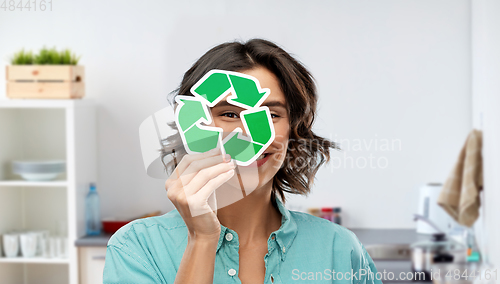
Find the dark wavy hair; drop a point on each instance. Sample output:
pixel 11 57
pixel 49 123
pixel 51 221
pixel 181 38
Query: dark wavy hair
pixel 299 89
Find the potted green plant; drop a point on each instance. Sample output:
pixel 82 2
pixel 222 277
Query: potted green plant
pixel 50 74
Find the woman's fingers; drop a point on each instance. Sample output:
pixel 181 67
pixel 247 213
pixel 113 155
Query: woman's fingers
pixel 195 179
pixel 214 183
pixel 203 166
pixel 199 202
pixel 205 175
pixel 188 159
pixel 198 165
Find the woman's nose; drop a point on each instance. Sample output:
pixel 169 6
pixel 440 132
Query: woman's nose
pixel 234 127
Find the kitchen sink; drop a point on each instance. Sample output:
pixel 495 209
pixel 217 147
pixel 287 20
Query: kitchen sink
pixel 389 251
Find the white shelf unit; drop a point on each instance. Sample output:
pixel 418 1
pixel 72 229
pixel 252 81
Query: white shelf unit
pixel 52 130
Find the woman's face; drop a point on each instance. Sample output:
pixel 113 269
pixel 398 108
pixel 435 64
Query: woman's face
pixel 227 117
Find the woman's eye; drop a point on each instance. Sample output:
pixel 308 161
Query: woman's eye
pixel 235 115
pixel 230 115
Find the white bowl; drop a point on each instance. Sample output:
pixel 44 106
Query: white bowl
pixel 39 177
pixel 42 170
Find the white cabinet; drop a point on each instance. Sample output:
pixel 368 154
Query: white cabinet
pixel 91 264
pixel 46 129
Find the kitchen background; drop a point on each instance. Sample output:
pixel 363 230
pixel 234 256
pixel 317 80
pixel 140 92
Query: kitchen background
pixel 401 84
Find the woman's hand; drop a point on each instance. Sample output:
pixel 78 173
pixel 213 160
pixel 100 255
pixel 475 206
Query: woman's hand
pixel 190 189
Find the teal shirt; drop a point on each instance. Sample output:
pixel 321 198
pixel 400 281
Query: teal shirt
pixel 305 249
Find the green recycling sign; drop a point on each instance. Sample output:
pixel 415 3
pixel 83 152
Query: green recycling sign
pixel 193 116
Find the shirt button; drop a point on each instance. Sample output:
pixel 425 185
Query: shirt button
pixel 283 249
pixel 231 272
pixel 229 237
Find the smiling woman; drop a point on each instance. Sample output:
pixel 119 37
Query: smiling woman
pixel 230 224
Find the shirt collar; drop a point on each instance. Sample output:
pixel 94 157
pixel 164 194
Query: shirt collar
pixel 284 236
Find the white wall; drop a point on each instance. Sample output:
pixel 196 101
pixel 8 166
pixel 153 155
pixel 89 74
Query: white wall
pixel 385 70
pixel 486 115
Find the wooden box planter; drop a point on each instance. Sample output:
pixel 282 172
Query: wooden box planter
pixel 45 81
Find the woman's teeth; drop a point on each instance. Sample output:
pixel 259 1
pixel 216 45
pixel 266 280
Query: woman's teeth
pixel 261 157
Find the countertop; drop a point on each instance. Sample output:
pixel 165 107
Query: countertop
pixel 93 241
pixel 388 236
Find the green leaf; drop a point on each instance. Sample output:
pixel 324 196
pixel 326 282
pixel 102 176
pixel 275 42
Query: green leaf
pixel 45 56
pixel 22 58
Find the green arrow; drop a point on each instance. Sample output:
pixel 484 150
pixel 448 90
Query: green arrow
pixel 213 87
pixel 201 140
pixel 246 91
pixel 258 126
pixel 190 113
pixel 241 150
pixel 259 129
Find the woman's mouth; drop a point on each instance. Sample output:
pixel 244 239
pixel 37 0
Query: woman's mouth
pixel 262 159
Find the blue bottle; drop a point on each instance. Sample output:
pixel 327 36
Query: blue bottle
pixel 92 212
